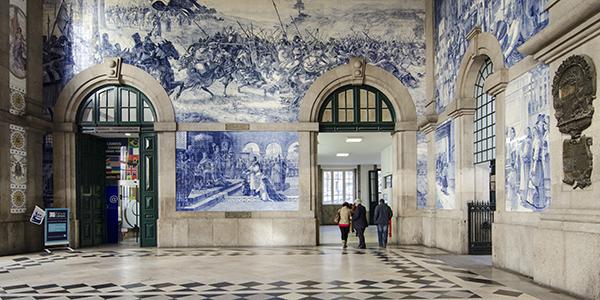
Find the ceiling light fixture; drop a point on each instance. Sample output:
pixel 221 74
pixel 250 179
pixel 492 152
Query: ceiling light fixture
pixel 342 154
pixel 353 139
pixel 127 134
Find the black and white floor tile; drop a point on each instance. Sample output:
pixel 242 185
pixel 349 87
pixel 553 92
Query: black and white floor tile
pixel 245 273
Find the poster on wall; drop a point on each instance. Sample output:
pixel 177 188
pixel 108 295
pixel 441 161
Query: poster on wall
pixel 235 61
pixel 113 160
pixel 237 171
pixel 445 166
pixel 527 165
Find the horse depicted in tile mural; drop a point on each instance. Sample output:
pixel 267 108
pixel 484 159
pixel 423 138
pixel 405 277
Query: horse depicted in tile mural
pixel 205 57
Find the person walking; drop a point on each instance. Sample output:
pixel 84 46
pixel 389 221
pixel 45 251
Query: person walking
pixel 344 218
pixel 381 218
pixel 359 222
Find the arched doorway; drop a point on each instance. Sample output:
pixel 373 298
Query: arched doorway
pixel 359 97
pixel 111 98
pixel 116 168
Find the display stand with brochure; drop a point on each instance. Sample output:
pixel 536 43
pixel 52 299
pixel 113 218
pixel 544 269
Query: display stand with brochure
pixel 56 229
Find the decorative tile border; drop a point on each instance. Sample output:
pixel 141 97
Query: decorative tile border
pixel 18 169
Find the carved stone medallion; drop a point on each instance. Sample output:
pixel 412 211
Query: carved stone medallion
pixel 577 162
pixel 573 90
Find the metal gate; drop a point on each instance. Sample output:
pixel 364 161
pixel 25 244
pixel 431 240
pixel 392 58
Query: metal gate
pixel 481 217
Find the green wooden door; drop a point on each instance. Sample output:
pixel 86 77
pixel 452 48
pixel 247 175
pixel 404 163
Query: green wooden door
pixel 90 190
pixel 148 190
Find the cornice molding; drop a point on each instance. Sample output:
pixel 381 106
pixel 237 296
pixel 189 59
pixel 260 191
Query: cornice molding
pixel 497 82
pixel 574 28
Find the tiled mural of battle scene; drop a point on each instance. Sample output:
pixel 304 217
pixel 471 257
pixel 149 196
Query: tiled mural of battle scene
pixel 237 171
pixel 512 22
pixel 235 61
pixel 527 146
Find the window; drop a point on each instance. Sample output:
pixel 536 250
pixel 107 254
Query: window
pixel 116 105
pixel 338 186
pixel 485 118
pixel 356 108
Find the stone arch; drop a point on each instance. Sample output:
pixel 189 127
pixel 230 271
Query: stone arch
pixel 482 45
pixel 358 72
pixel 404 141
pixel 112 71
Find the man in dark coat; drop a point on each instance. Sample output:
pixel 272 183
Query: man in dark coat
pixel 359 222
pixel 381 218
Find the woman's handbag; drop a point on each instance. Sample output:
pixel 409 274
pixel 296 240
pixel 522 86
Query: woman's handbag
pixel 337 217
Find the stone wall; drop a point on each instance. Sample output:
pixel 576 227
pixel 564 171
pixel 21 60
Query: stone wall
pixel 558 246
pixel 21 132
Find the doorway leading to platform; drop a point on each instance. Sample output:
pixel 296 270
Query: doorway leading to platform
pixel 354 154
pixel 352 166
pixel 116 169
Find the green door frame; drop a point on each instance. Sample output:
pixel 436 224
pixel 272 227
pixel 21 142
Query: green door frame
pixel 132 109
pixel 148 189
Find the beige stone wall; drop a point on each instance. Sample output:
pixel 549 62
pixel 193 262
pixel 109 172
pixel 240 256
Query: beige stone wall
pixel 17 234
pixel 558 247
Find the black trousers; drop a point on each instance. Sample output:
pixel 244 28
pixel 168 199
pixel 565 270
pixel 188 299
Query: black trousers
pixel 360 233
pixel 345 231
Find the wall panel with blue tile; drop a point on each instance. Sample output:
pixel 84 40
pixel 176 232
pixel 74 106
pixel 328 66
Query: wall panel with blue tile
pixel 235 61
pixel 237 171
pixel 512 22
pixel 445 166
pixel 527 166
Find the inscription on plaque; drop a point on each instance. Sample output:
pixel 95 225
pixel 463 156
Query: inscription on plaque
pixel 237 127
pixel 238 214
pixel 573 90
pixel 577 162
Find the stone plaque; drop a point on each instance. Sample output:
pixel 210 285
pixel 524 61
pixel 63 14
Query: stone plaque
pixel 573 90
pixel 577 162
pixel 238 214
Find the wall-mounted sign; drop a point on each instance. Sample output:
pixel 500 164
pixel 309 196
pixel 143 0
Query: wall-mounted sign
pixel 57 227
pixel 37 216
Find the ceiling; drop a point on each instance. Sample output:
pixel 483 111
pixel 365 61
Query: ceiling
pixel 366 152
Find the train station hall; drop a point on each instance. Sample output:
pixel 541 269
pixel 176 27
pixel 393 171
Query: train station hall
pixel 299 149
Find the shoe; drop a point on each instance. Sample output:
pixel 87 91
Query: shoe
pixel 344 245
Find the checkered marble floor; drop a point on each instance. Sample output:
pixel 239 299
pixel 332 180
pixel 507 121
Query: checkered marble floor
pixel 244 273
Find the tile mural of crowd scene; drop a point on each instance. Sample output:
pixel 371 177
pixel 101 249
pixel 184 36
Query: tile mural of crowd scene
pixel 445 166
pixel 422 184
pixel 512 22
pixel 527 166
pixel 234 61
pixel 237 171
